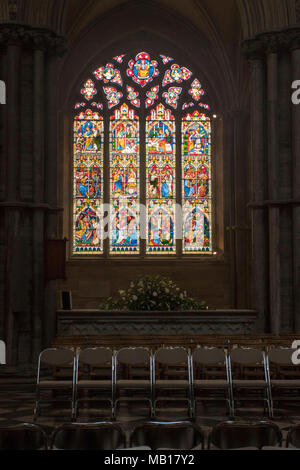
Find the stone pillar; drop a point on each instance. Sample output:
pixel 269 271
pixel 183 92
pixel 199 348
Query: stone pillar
pixel 12 214
pixel 24 204
pixel 295 57
pixel 273 184
pixel 241 228
pixel 51 228
pixel 38 196
pixel 276 200
pixel 253 50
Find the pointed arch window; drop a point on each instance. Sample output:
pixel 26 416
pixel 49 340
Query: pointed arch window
pixel 143 149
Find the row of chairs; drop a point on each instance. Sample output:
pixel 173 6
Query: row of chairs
pixel 151 435
pixel 266 341
pixel 170 373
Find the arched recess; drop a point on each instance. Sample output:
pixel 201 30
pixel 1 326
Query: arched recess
pixel 190 48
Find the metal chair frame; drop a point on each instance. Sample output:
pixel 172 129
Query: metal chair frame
pixel 112 399
pixel 268 393
pixel 88 426
pixel 189 400
pixel 274 397
pixel 150 400
pixel 27 427
pixel 188 424
pixel 244 425
pixel 38 381
pixel 229 400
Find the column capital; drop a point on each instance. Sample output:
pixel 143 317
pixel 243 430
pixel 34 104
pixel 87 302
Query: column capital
pixel 33 38
pixel 271 42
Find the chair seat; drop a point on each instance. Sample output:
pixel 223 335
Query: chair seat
pixel 172 384
pixel 55 384
pixel 94 384
pixel 123 383
pixel 249 383
pixel 286 383
pixel 211 384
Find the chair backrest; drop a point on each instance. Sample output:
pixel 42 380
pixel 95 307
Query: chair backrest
pixel 209 356
pixel 171 356
pixel 23 436
pixel 281 356
pixel 293 436
pixel 57 357
pixel 167 435
pixel 247 356
pixel 230 435
pixel 95 356
pixel 133 356
pixel 88 436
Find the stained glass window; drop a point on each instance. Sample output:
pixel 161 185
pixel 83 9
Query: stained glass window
pixel 196 183
pixel 128 113
pixel 124 184
pixel 88 183
pixel 160 175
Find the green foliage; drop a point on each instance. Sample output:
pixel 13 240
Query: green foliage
pixel 152 293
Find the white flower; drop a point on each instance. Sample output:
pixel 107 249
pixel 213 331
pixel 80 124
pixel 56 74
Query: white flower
pixel 121 292
pixel 181 295
pixel 167 291
pixel 134 297
pixel 154 294
pixel 177 289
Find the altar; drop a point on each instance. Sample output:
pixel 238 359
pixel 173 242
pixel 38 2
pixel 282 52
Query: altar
pixel 99 322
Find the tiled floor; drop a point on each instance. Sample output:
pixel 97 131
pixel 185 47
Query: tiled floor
pixel 17 403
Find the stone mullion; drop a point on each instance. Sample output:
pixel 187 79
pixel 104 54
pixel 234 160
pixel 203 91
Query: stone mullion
pixel 143 184
pixel 178 188
pixel 106 178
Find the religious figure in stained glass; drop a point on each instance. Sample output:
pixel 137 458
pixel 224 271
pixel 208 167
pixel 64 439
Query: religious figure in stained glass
pixel 88 183
pixel 160 164
pixel 142 70
pixel 196 187
pixel 124 190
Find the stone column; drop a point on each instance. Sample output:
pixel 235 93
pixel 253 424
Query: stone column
pixel 295 57
pixel 241 228
pixel 254 51
pixel 273 184
pixel 23 203
pixel 51 229
pixel 12 211
pixel 38 196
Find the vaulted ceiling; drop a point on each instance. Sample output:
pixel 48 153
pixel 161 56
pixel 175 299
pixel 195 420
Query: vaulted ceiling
pixel 228 17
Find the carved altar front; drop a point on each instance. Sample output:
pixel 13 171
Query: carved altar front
pixel 93 322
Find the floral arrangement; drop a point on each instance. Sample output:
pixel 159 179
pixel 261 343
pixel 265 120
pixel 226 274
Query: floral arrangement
pixel 152 293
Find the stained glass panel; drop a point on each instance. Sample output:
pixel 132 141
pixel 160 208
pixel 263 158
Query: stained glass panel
pixel 88 183
pixel 196 183
pixel 124 184
pixel 160 166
